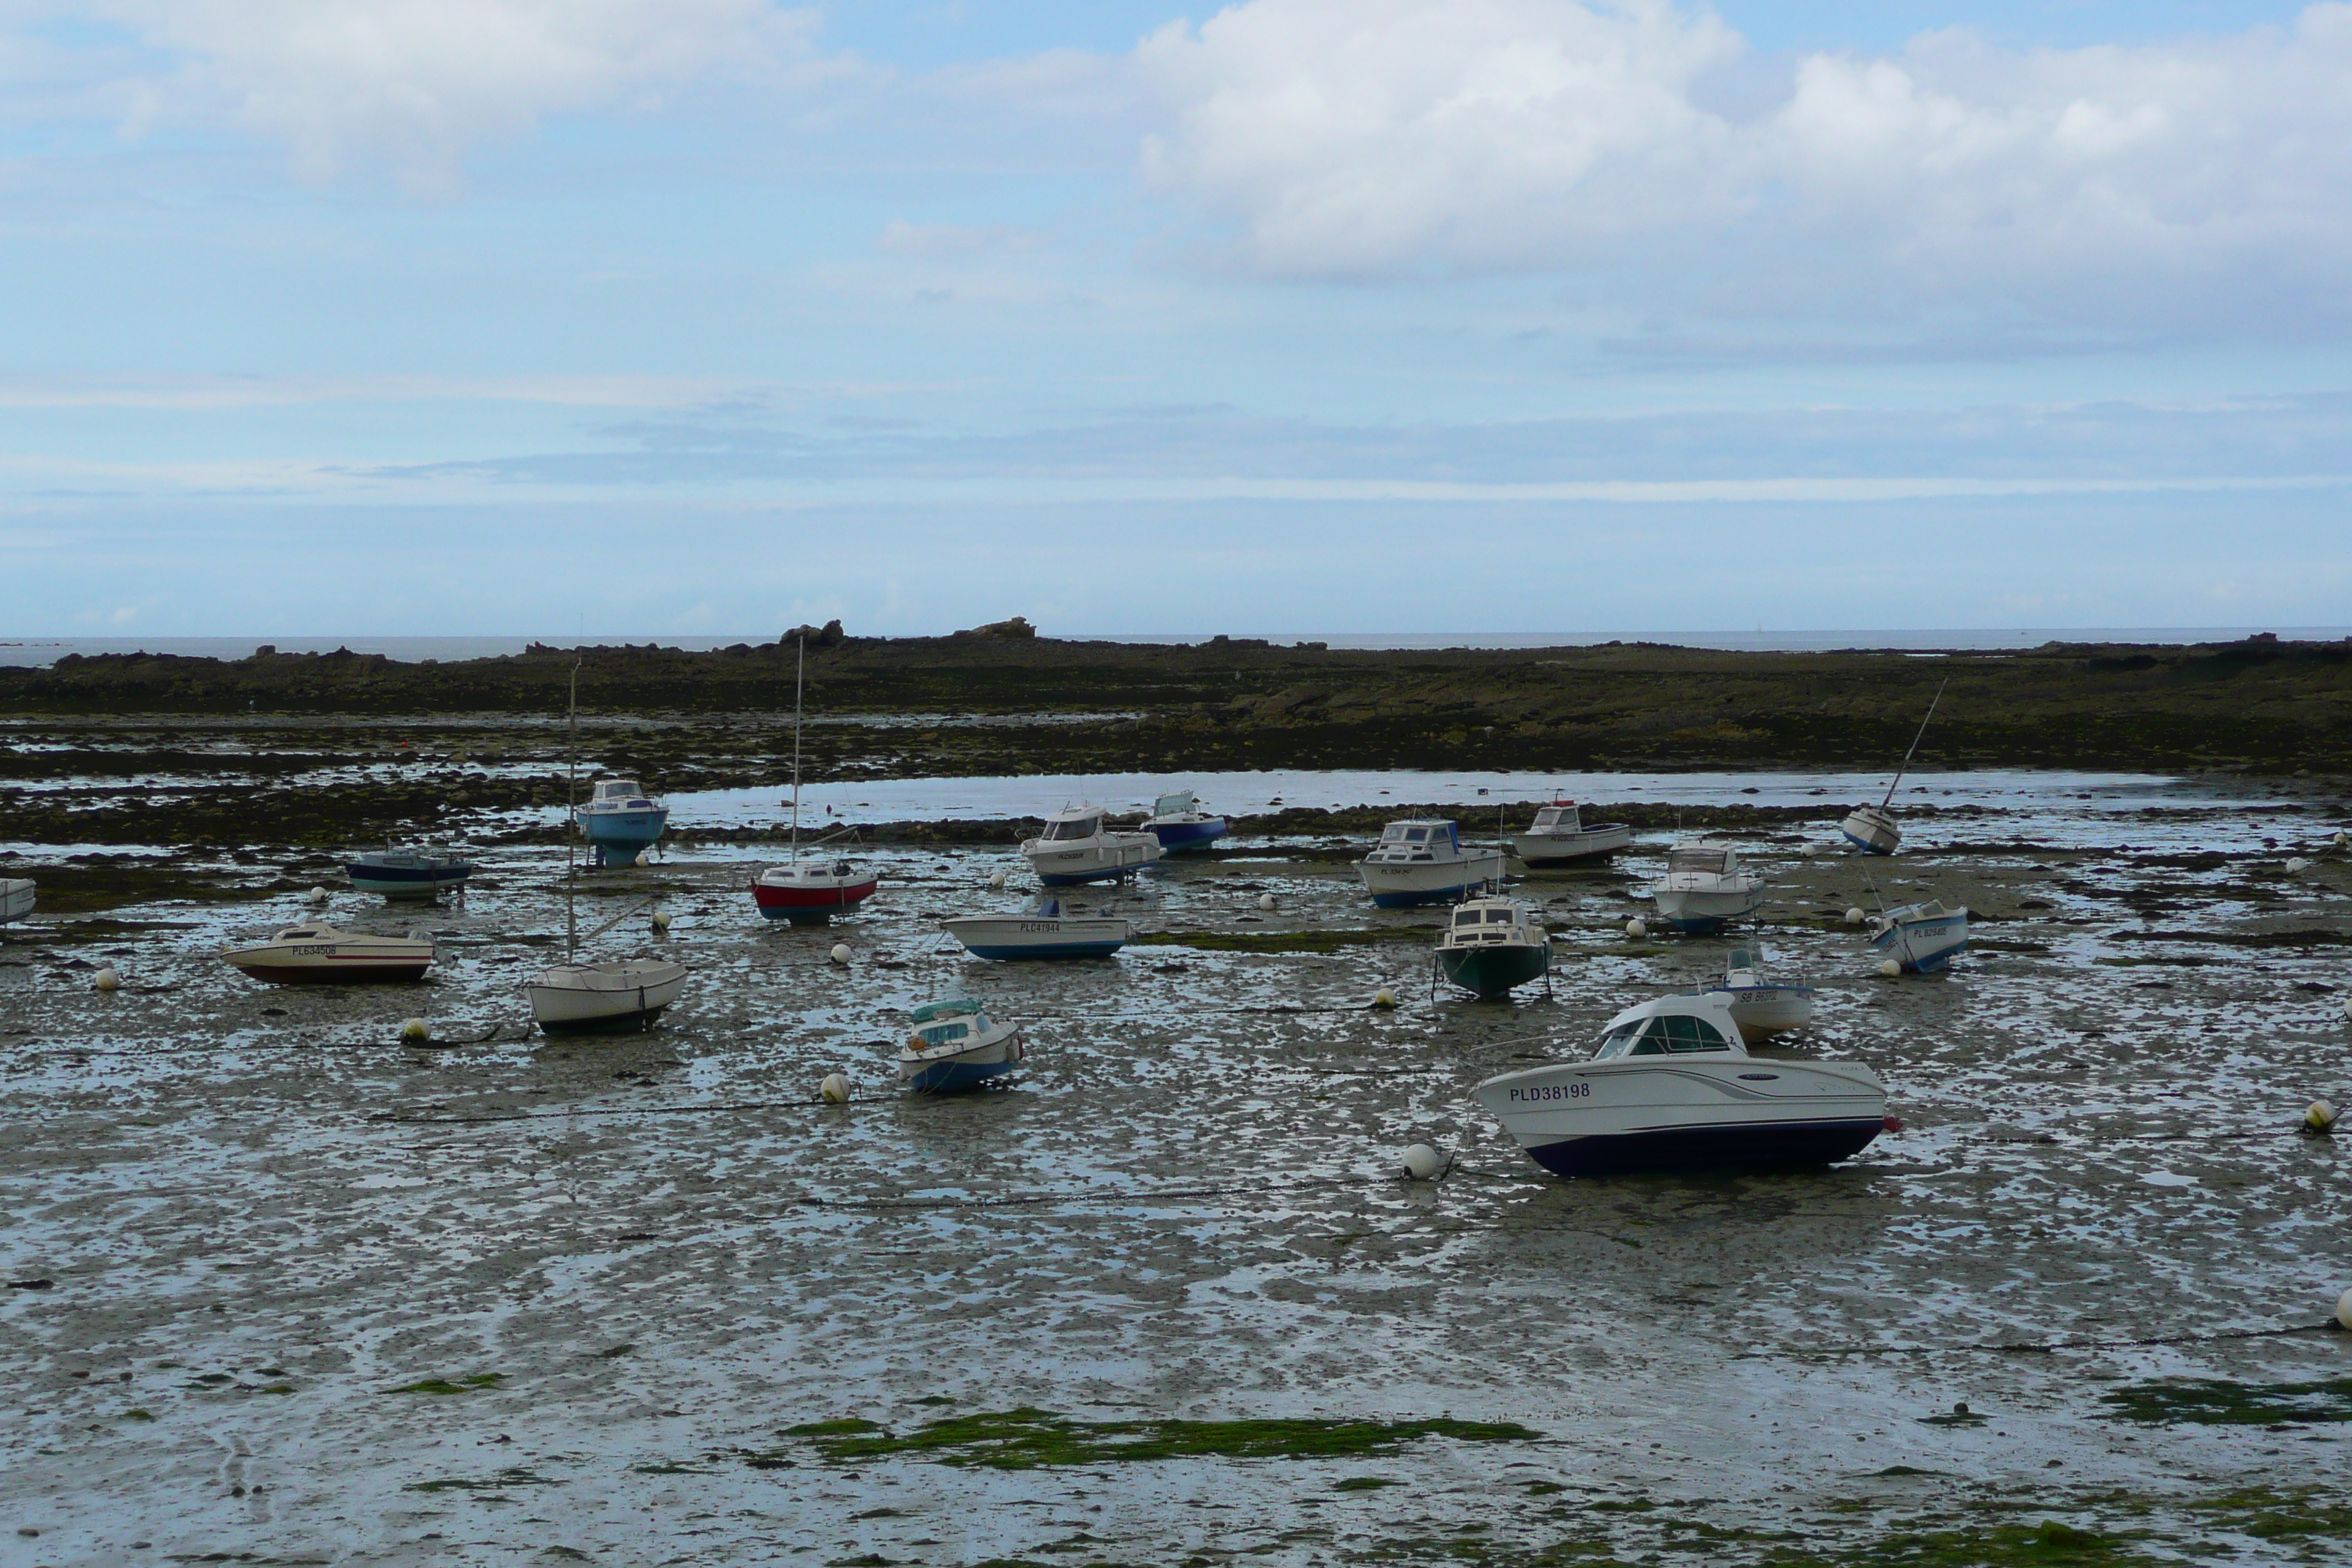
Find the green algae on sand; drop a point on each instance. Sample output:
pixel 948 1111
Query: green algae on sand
pixel 442 1385
pixel 1027 1438
pixel 2217 1401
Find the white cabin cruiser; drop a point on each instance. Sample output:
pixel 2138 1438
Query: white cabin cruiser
pixel 1761 1008
pixel 1079 846
pixel 1704 889
pixel 1672 1087
pixel 1561 838
pixel 1922 938
pixel 16 895
pixel 1424 861
pixel 316 953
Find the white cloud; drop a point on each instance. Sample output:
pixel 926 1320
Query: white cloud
pixel 413 84
pixel 1382 137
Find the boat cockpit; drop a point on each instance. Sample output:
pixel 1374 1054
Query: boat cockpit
pixel 1418 841
pixel 1560 816
pixel 1666 1034
pixel 1068 826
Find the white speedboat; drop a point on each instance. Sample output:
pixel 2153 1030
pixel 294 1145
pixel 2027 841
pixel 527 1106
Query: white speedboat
pixel 1041 930
pixel 1179 824
pixel 1079 846
pixel 319 955
pixel 1704 889
pixel 1922 938
pixel 1425 862
pixel 1672 1087
pixel 16 896
pixel 1761 1008
pixel 1872 828
pixel 954 1046
pixel 621 997
pixel 1561 838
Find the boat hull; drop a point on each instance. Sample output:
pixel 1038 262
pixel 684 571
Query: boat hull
pixel 1122 855
pixel 1492 971
pixel 1409 885
pixel 1536 849
pixel 1697 912
pixel 418 881
pixel 1015 937
pixel 805 905
pixel 619 999
pixel 1694 1112
pixel 618 837
pixel 1924 946
pixel 964 1070
pixel 16 896
pixel 1763 1011
pixel 1871 830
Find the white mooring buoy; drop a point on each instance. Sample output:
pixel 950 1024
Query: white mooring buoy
pixel 1423 1164
pixel 107 980
pixel 318 895
pixel 1266 901
pixel 2319 1117
pixel 835 1089
pixel 1890 969
pixel 2296 864
pixel 415 1031
pixel 2344 1311
pixel 840 953
pixel 1637 928
pixel 996 879
pixel 661 922
pixel 1384 998
pixel 1853 915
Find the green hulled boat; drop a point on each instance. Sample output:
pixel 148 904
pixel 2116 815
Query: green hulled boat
pixel 1490 946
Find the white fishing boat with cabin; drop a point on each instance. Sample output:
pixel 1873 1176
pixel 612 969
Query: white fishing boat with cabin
pixel 1922 938
pixel 1762 1008
pixel 1424 861
pixel 1704 889
pixel 1078 845
pixel 1561 838
pixel 1872 828
pixel 1491 945
pixel 1672 1087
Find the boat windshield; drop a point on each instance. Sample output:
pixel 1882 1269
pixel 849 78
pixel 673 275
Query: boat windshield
pixel 1467 917
pixel 1676 1033
pixel 1556 817
pixel 1175 804
pixel 1074 828
pixel 1715 862
pixel 1745 958
pixel 617 789
pixel 941 1033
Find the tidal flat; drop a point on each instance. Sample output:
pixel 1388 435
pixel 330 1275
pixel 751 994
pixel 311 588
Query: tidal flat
pixel 283 1288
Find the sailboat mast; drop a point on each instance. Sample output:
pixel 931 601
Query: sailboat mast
pixel 571 823
pixel 1914 744
pixel 799 683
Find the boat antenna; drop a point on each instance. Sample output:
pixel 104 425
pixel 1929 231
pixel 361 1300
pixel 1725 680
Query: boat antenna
pixel 800 682
pixel 1914 744
pixel 571 823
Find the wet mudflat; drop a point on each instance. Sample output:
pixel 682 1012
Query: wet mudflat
pixel 289 1290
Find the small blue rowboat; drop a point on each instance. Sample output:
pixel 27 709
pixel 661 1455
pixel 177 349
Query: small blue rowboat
pixel 1179 823
pixel 954 1046
pixel 1923 938
pixel 620 821
pixel 408 873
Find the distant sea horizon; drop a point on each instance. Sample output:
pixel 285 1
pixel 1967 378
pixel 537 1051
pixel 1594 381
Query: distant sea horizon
pixel 41 651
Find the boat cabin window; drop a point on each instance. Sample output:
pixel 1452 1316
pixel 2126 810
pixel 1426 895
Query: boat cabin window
pixel 1075 828
pixel 941 1033
pixel 617 789
pixel 1717 861
pixel 1674 1034
pixel 1467 918
pixel 1499 917
pixel 1393 834
pixel 1745 958
pixel 1416 835
pixel 1547 817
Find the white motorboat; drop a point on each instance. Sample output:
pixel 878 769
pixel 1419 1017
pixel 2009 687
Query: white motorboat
pixel 16 895
pixel 1561 838
pixel 955 1046
pixel 1424 861
pixel 1179 824
pixel 1491 945
pixel 317 954
pixel 1079 846
pixel 1041 930
pixel 809 892
pixel 1922 938
pixel 1762 1008
pixel 1704 889
pixel 1672 1086
pixel 1872 828
pixel 622 997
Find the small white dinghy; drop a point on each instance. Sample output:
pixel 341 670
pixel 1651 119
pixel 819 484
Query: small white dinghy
pixel 1704 889
pixel 617 998
pixel 1762 1008
pixel 1079 846
pixel 16 896
pixel 955 1046
pixel 317 954
pixel 1922 938
pixel 1672 1087
pixel 1561 838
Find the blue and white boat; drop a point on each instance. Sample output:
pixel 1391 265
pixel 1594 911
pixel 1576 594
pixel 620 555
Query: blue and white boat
pixel 954 1046
pixel 1179 823
pixel 621 822
pixel 1079 846
pixel 1041 930
pixel 1425 862
pixel 1922 938
pixel 409 873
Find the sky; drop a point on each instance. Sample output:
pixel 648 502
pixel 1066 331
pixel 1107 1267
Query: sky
pixel 418 316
